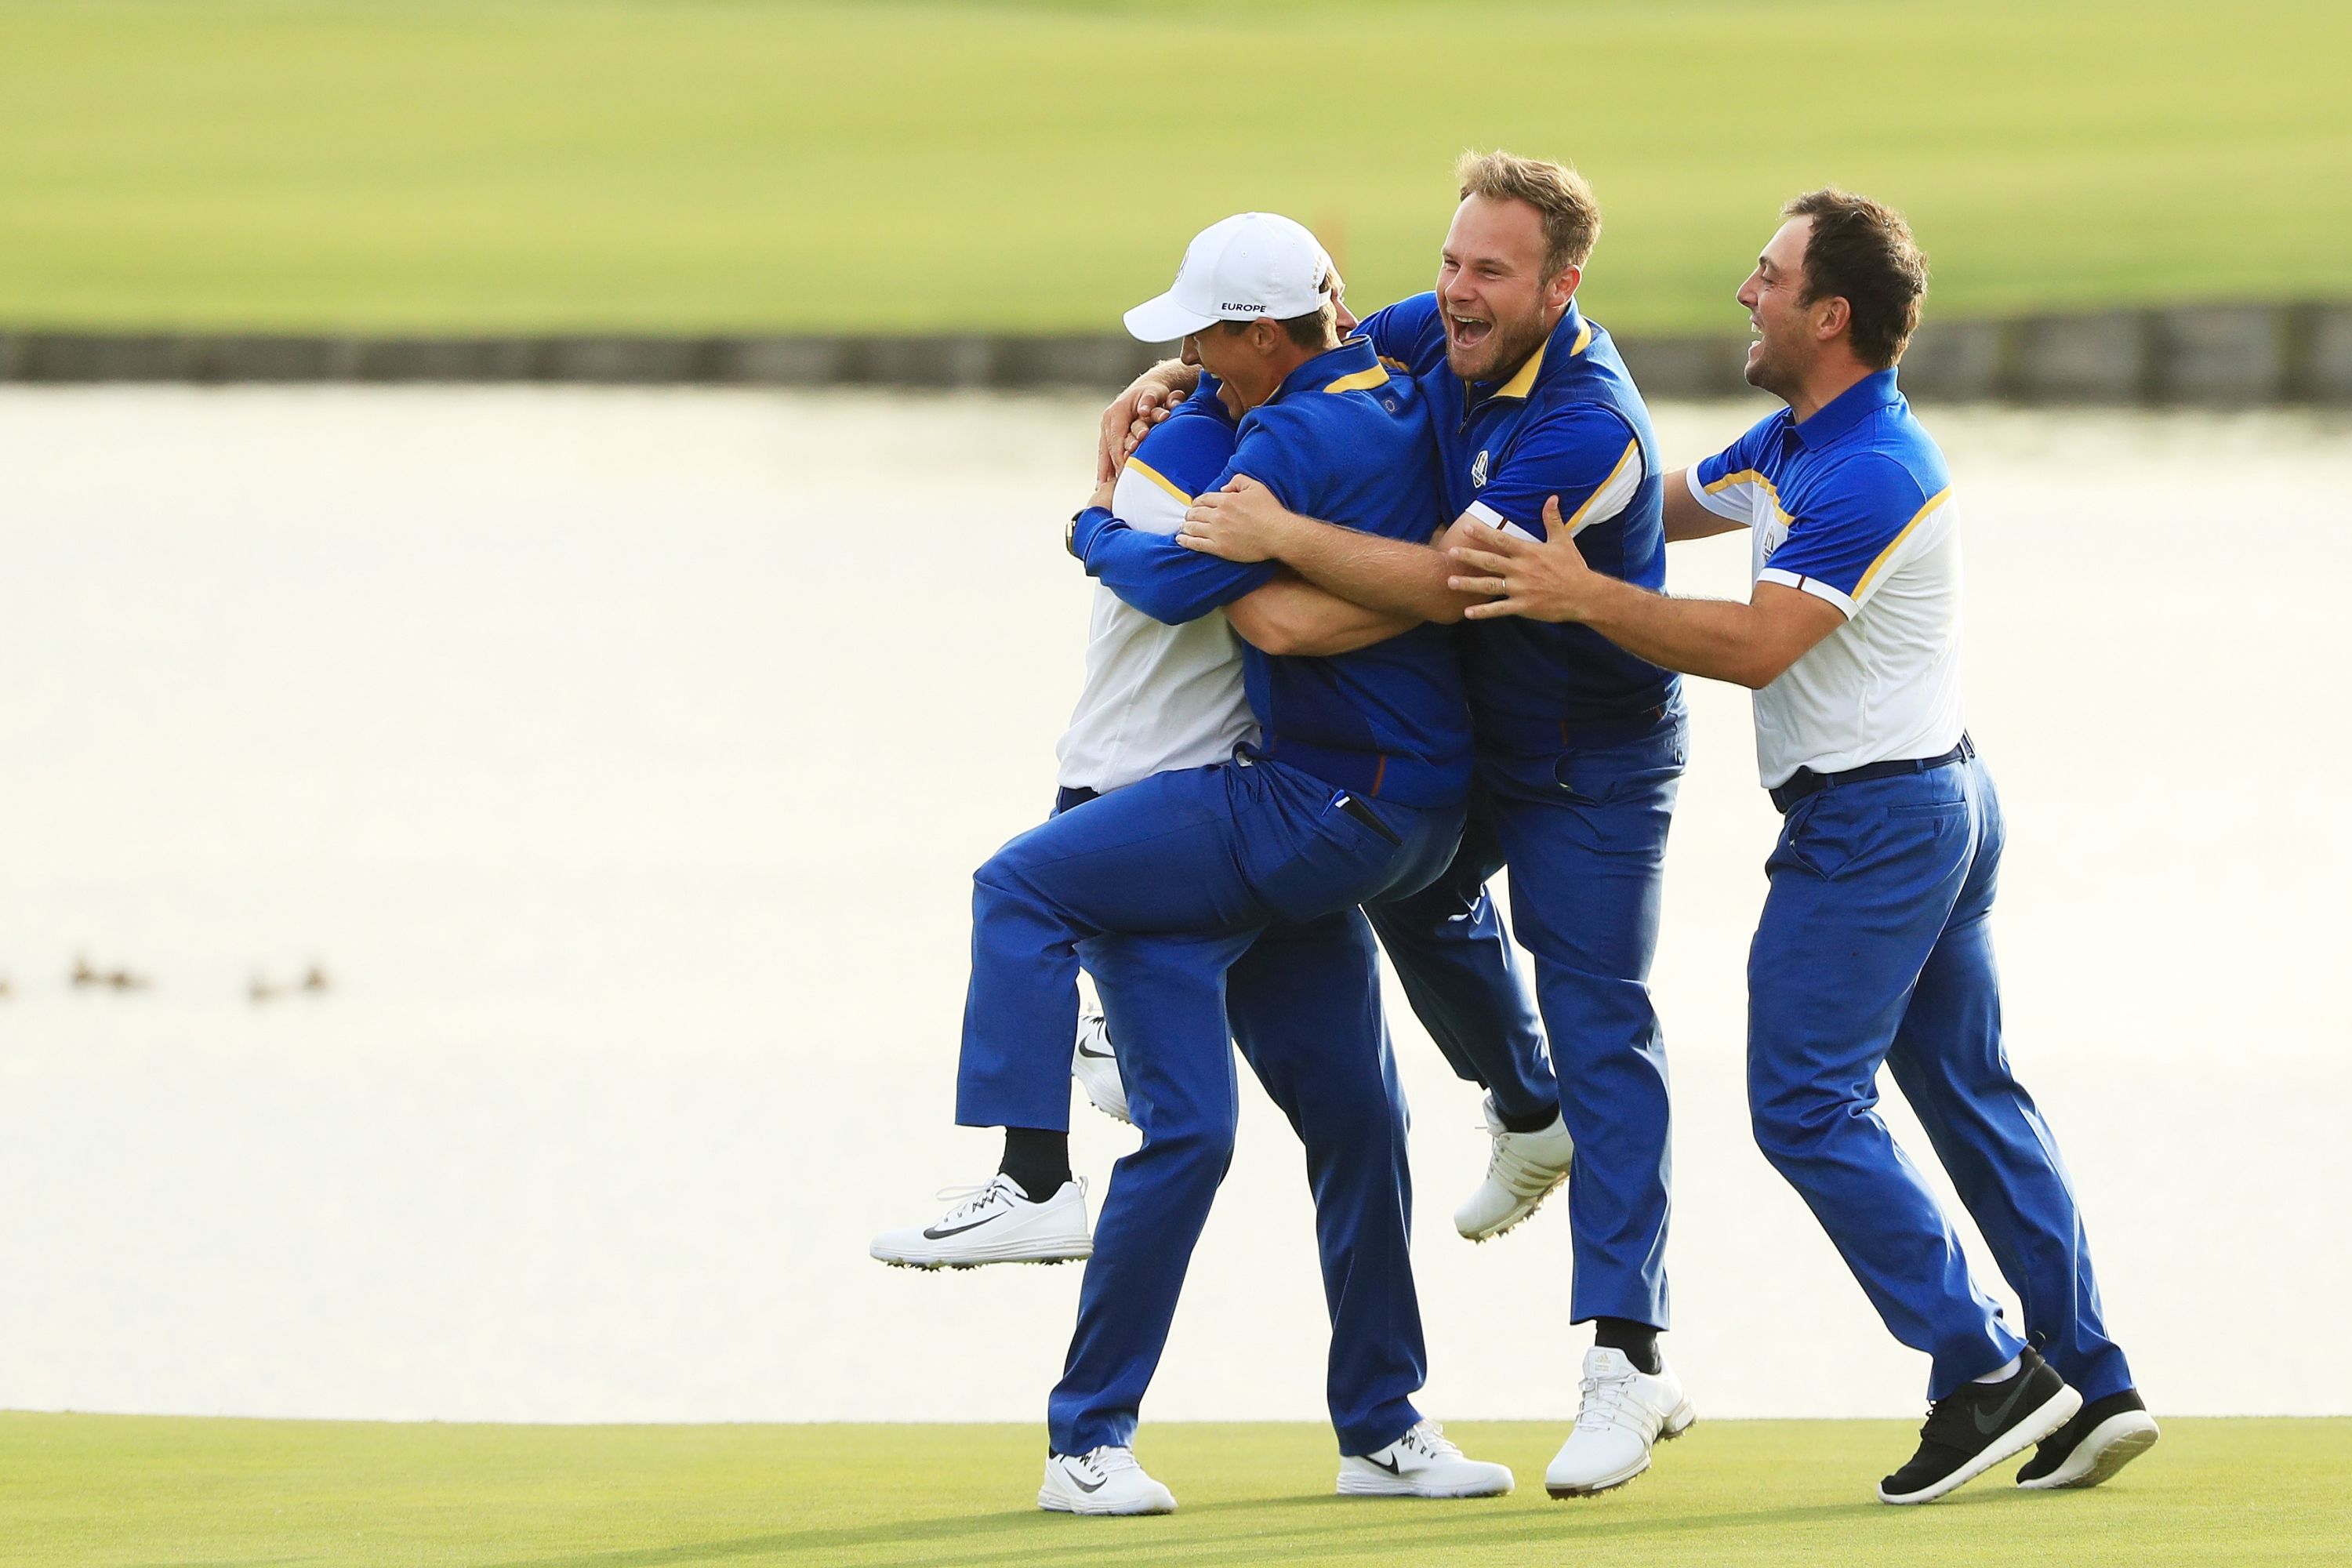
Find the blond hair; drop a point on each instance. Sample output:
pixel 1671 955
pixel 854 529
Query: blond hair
pixel 1571 218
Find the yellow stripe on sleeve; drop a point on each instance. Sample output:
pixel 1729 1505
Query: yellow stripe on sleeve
pixel 1752 477
pixel 1938 498
pixel 1137 465
pixel 1632 450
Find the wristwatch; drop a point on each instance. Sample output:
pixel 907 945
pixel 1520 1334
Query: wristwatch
pixel 1070 533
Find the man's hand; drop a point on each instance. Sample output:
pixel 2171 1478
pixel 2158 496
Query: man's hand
pixel 1242 521
pixel 1105 488
pixel 1149 399
pixel 1546 582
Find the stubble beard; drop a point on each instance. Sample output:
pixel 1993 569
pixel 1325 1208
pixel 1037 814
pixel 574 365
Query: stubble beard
pixel 1504 353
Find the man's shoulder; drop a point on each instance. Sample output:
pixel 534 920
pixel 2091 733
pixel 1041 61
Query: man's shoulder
pixel 1389 409
pixel 1572 434
pixel 1189 448
pixel 1408 335
pixel 1882 481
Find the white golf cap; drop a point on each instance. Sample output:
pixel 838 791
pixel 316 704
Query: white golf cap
pixel 1251 266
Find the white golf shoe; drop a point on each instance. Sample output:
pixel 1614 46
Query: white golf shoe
pixel 1524 1169
pixel 1424 1462
pixel 994 1223
pixel 1625 1411
pixel 1096 1067
pixel 1106 1480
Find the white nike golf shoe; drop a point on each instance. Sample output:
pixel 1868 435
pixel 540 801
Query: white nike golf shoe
pixel 1524 1169
pixel 1424 1462
pixel 1096 1067
pixel 1106 1480
pixel 994 1223
pixel 1625 1411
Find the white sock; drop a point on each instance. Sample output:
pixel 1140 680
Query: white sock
pixel 2002 1372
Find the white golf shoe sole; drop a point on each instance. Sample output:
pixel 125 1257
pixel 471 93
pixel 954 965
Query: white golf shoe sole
pixel 1355 1483
pixel 980 1257
pixel 2053 1413
pixel 2109 1447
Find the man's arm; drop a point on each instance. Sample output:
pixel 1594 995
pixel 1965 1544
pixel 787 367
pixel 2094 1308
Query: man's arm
pixel 1687 517
pixel 1154 573
pixel 1396 577
pixel 1296 618
pixel 1750 644
pixel 1133 412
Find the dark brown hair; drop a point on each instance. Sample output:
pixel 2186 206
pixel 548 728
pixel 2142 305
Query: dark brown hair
pixel 1863 253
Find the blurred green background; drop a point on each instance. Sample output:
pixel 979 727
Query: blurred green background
pixel 530 165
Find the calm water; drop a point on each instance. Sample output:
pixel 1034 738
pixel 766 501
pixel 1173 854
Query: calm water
pixel 625 757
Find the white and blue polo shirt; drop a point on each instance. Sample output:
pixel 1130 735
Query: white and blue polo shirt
pixel 1159 696
pixel 1852 506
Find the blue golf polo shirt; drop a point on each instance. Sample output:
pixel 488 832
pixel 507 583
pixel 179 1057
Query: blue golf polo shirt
pixel 1344 440
pixel 1569 422
pixel 1852 506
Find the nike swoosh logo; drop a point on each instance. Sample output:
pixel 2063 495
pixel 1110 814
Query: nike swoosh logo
pixel 943 1234
pixel 1388 1464
pixel 1097 1056
pixel 1079 1481
pixel 1990 1423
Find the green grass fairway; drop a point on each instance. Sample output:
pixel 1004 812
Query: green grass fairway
pixel 102 1490
pixel 531 165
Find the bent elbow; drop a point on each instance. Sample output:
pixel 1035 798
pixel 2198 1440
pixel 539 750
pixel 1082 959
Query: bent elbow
pixel 1266 631
pixel 1762 669
pixel 1277 640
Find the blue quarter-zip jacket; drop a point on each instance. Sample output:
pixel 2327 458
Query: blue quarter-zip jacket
pixel 1344 440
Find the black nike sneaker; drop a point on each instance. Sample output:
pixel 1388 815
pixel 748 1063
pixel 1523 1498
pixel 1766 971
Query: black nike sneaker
pixel 1979 1425
pixel 2104 1436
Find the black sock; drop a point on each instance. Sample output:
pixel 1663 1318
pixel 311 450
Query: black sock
pixel 1037 1161
pixel 1638 1341
pixel 1527 1122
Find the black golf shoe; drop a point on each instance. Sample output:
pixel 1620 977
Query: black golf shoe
pixel 1979 1425
pixel 2103 1438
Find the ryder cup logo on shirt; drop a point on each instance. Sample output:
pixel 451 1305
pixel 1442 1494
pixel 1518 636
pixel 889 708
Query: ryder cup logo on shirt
pixel 1478 470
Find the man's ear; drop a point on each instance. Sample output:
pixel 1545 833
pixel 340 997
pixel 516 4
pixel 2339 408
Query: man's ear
pixel 1831 316
pixel 1562 287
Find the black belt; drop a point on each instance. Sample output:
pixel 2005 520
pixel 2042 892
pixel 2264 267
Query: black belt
pixel 1805 782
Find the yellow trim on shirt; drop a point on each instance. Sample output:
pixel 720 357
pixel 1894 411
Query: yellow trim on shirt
pixel 1156 476
pixel 1524 381
pixel 1358 380
pixel 1753 476
pixel 1632 450
pixel 1522 384
pixel 1938 498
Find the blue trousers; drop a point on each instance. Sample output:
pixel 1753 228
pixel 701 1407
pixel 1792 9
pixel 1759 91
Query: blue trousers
pixel 1584 832
pixel 1874 947
pixel 1452 956
pixel 1303 1003
pixel 1227 850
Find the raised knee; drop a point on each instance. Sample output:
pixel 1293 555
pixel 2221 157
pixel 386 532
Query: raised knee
pixel 1200 1152
pixel 1788 1125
